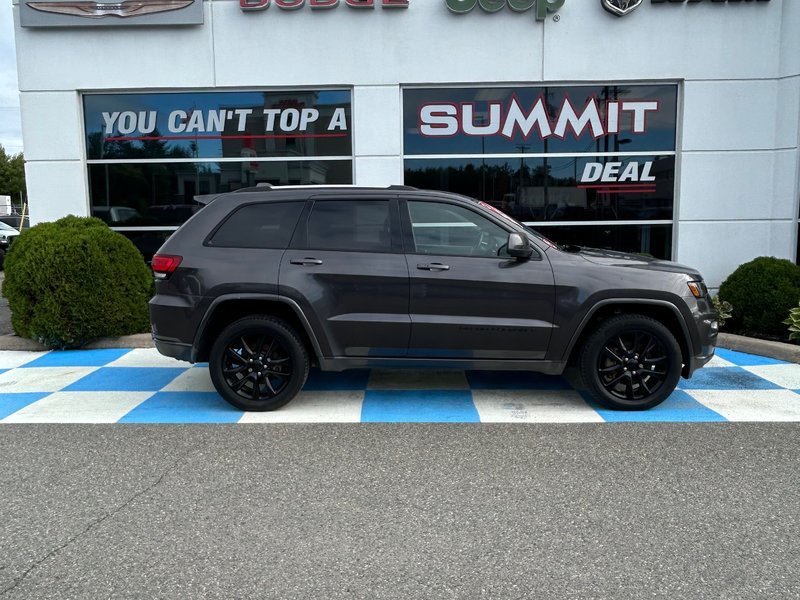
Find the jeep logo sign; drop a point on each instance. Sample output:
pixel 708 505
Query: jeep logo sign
pixel 543 7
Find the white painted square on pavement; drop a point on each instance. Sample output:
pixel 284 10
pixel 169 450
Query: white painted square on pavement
pixel 787 376
pixel 751 405
pixel 11 359
pixel 314 407
pixel 533 406
pixel 41 379
pixel 417 379
pixel 191 380
pixel 147 357
pixel 79 407
pixel 718 361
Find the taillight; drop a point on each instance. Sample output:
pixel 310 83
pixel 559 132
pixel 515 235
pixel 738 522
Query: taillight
pixel 164 264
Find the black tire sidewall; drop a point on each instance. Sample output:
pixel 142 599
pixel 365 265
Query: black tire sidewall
pixel 613 327
pixel 285 335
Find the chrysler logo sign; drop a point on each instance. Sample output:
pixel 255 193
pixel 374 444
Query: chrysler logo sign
pixel 98 10
pixel 620 8
pixel 110 13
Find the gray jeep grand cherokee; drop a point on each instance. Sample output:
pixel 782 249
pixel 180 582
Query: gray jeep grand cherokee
pixel 264 282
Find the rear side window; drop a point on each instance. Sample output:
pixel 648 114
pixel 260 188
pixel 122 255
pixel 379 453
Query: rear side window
pixel 263 225
pixel 358 225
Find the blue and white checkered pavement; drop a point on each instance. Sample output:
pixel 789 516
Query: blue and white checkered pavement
pixel 141 386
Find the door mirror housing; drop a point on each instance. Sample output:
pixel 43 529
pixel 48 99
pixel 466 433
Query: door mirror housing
pixel 519 246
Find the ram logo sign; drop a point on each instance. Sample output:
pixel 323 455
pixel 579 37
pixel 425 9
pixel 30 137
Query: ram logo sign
pixel 621 8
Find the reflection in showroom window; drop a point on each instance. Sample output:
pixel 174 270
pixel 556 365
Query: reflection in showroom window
pixel 150 154
pixel 572 161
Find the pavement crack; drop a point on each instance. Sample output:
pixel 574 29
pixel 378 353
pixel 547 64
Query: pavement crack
pixel 90 527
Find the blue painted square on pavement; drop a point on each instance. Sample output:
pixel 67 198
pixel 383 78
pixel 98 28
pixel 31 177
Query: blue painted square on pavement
pixel 746 360
pixel 11 403
pixel 319 381
pixel 680 407
pixel 125 379
pixel 515 380
pixel 418 406
pixel 78 358
pixel 183 407
pixel 725 378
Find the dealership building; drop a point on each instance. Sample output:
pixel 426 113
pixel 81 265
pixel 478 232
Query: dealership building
pixel 663 127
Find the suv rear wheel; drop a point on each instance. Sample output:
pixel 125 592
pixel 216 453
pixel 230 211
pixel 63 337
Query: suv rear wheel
pixel 631 362
pixel 258 363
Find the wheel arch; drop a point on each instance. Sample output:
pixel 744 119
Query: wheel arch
pixel 665 312
pixel 227 309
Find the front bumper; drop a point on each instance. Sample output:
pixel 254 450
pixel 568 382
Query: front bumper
pixel 708 331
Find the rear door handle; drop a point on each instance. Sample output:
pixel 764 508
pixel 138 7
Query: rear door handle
pixel 434 267
pixel 305 261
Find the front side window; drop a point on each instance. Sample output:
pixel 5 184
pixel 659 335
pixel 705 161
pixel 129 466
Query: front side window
pixel 448 229
pixel 350 225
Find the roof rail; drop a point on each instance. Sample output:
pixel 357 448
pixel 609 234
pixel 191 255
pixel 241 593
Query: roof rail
pixel 401 187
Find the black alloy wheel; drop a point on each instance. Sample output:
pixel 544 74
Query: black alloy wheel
pixel 631 362
pixel 258 364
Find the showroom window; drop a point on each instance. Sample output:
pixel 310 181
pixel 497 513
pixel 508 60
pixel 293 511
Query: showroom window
pixel 586 165
pixel 149 155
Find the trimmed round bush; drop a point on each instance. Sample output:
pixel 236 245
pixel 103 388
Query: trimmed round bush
pixel 75 280
pixel 762 292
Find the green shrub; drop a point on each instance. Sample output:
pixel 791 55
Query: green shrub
pixel 793 321
pixel 724 310
pixel 75 280
pixel 763 291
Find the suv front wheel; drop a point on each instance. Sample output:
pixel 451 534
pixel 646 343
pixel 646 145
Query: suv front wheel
pixel 631 362
pixel 258 363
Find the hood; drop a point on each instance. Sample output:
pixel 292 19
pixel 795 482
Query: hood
pixel 635 261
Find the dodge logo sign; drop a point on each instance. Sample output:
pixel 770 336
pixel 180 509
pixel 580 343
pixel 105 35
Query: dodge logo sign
pixel 620 8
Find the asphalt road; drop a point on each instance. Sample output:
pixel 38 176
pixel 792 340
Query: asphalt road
pixel 400 511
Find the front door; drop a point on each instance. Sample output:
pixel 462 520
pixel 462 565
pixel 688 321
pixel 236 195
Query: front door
pixel 469 299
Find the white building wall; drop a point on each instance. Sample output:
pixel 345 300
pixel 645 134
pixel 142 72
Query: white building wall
pixel 739 66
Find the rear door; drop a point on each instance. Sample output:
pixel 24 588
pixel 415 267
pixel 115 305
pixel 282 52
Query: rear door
pixel 469 299
pixel 346 268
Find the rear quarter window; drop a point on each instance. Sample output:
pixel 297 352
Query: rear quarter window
pixel 262 225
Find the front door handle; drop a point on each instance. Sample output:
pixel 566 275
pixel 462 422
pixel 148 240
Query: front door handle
pixel 434 267
pixel 305 261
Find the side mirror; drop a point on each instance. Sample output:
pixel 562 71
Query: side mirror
pixel 518 246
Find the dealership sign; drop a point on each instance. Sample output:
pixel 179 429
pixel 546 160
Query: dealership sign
pixel 219 124
pixel 248 5
pixel 620 8
pixel 543 7
pixel 83 13
pixel 512 118
pixel 131 125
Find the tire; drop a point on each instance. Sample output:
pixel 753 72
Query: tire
pixel 258 363
pixel 631 362
pixel 2 259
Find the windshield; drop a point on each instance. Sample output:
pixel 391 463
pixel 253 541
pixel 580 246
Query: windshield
pixel 496 211
pixel 7 227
